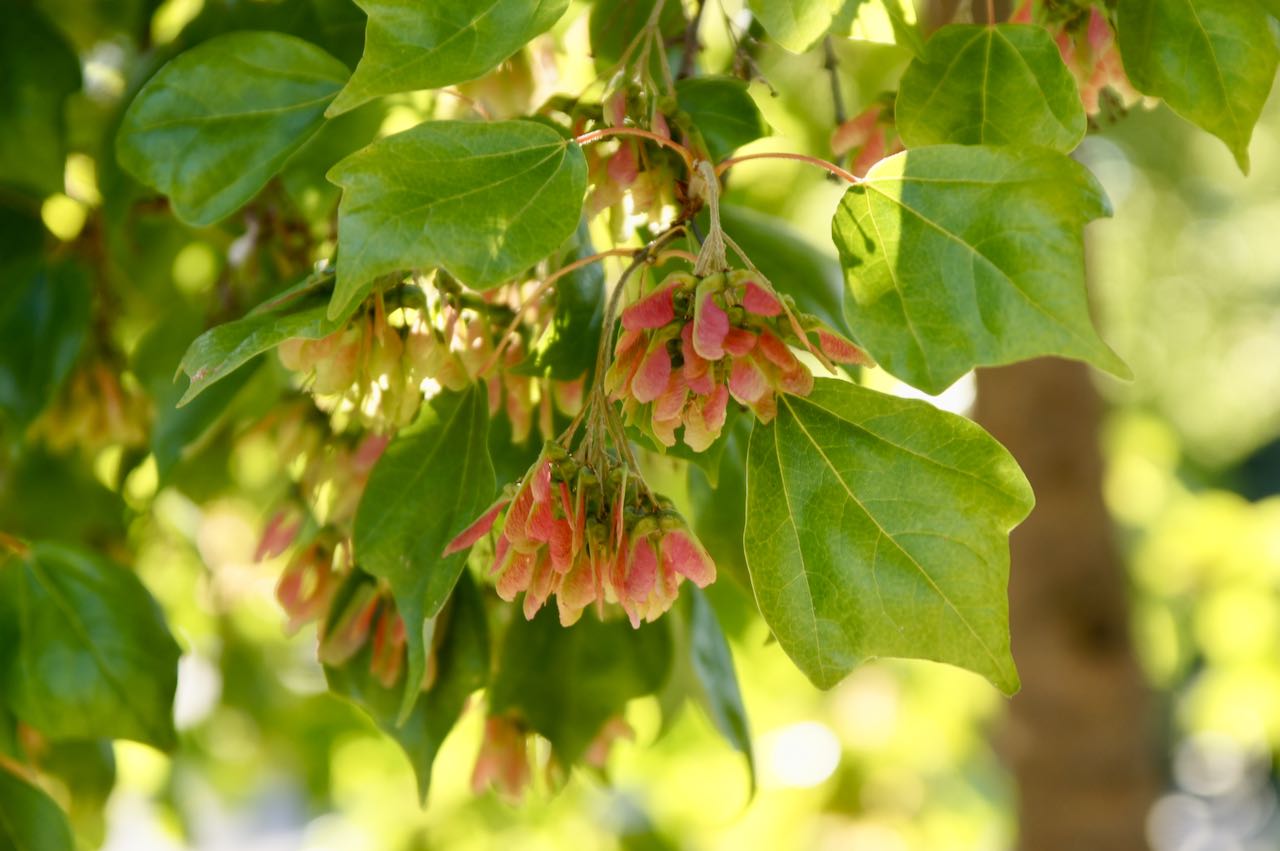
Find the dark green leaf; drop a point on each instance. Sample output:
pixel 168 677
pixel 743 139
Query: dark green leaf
pixel 216 123
pixel 566 349
pixel 616 24
pixel 336 26
pixel 88 768
pixel 29 819
pixel 430 483
pixel 38 71
pixel 981 85
pixel 795 24
pixel 484 200
pixel 797 266
pixel 36 489
pixel 722 111
pixel 94 657
pixel 44 317
pixel 567 682
pixel 878 526
pixel 961 256
pixel 462 659
pixel 1213 61
pixel 719 694
pixel 411 45
pixel 719 503
pixel 302 311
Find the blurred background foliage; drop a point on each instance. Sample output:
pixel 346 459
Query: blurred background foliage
pixel 1186 278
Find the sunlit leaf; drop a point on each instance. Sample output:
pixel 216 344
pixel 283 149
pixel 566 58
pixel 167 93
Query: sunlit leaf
pixel 982 85
pixel 878 526
pixel 216 123
pixel 960 256
pixel 414 45
pixel 95 658
pixel 795 24
pixel 432 481
pixel 484 200
pixel 1213 61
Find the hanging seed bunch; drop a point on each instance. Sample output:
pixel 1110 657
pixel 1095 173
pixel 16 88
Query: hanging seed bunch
pixel 587 535
pixel 692 343
pixel 378 371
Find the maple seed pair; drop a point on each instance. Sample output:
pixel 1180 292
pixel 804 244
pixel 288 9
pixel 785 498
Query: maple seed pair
pixel 690 344
pixel 566 532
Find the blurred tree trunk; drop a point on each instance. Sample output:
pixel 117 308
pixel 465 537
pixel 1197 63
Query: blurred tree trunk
pixel 1079 735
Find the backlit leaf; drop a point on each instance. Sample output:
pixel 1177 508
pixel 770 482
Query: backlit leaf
pixel 961 256
pixel 795 24
pixel 878 526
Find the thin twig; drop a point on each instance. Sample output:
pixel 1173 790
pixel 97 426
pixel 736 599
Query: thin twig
pixel 691 43
pixel 849 176
pixel 605 132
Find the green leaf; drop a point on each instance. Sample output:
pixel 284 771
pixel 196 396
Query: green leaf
pixel 566 348
pixel 877 526
pixel 484 200
pixel 1212 61
pixel 567 682
pixel 44 319
pixel 795 24
pixel 719 504
pixel 906 33
pixel 432 481
pixel 719 694
pixel 218 121
pixel 797 266
pixel 411 45
pixel 462 660
pixel 88 769
pixel 722 111
pixel 95 658
pixel 38 71
pixel 301 311
pixel 38 487
pixel 981 85
pixel 616 24
pixel 961 256
pixel 29 819
pixel 336 26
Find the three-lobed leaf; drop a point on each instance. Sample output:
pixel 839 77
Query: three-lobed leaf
pixel 411 45
pixel 983 85
pixel 960 256
pixel 219 120
pixel 462 666
pixel 432 481
pixel 878 526
pixel 1212 61
pixel 94 657
pixel 483 200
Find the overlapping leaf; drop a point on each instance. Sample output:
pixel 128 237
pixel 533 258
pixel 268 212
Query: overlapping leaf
pixel 484 200
pixel 718 691
pixel 414 45
pixel 722 113
pixel 567 682
pixel 981 85
pixel 960 256
pixel 1213 61
pixel 29 819
pixel 877 526
pixel 94 658
pixel 216 123
pixel 462 666
pixel 795 24
pixel 429 484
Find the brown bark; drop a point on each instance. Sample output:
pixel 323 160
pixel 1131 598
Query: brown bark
pixel 1079 734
